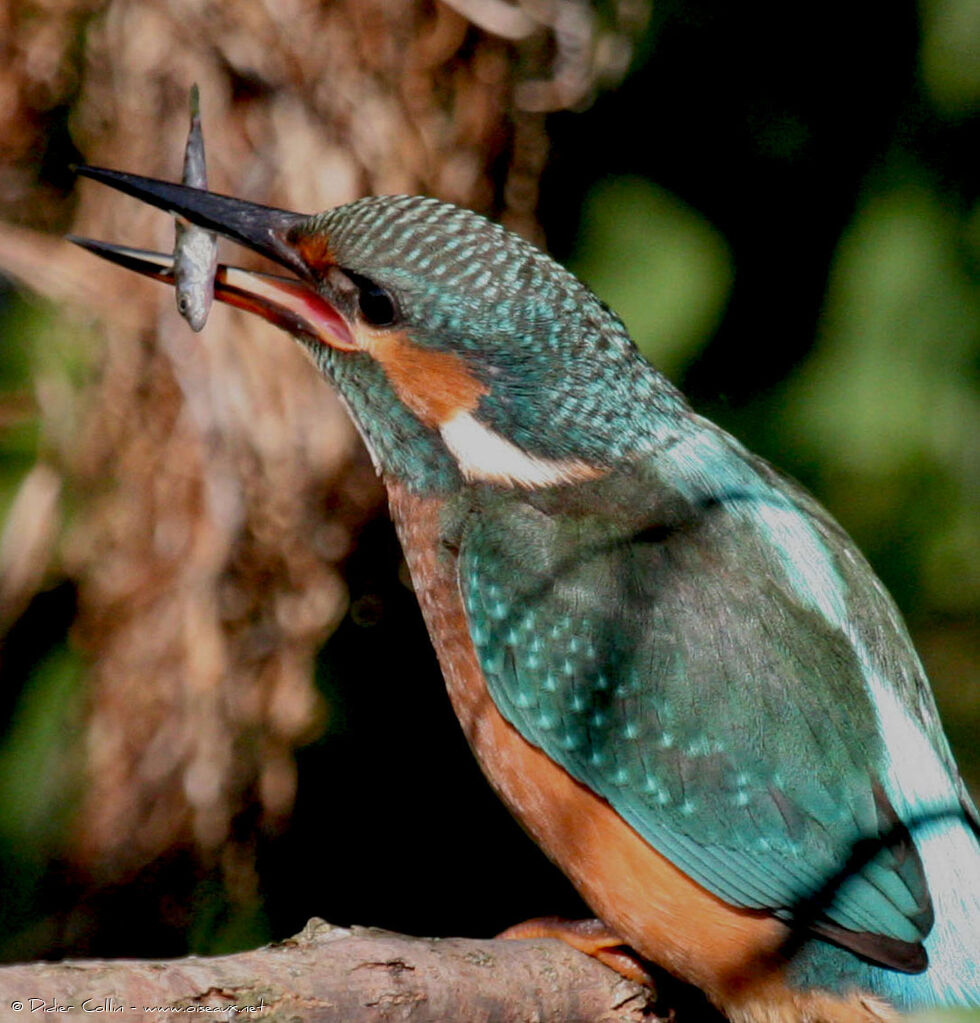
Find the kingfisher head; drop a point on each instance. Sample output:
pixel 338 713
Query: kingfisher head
pixel 464 353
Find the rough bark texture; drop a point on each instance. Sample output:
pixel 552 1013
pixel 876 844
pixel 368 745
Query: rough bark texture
pixel 214 483
pixel 334 974
pixel 223 480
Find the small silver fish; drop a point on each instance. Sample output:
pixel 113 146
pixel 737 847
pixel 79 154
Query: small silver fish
pixel 196 250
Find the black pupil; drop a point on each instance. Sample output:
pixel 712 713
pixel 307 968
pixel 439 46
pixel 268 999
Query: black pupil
pixel 376 305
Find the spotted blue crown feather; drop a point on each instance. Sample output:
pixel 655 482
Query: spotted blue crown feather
pixel 528 326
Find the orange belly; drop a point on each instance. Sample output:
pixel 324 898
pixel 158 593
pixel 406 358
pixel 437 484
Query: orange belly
pixel 731 954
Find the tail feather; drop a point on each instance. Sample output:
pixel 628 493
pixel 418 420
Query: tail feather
pixel 950 854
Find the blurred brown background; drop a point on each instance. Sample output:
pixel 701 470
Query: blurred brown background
pixel 220 711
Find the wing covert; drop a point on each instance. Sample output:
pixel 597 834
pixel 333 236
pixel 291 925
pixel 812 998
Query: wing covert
pixel 667 665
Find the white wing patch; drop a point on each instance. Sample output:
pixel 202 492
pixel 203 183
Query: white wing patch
pixel 484 456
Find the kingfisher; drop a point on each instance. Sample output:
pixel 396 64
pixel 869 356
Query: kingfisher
pixel 673 666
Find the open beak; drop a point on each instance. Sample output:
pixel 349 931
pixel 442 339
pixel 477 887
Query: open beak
pixel 294 305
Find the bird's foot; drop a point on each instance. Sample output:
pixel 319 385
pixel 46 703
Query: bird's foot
pixel 592 937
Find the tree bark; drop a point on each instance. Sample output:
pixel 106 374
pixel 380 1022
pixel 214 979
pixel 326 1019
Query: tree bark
pixel 201 494
pixel 336 974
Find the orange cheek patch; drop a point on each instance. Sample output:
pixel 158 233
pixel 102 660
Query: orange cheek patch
pixel 434 385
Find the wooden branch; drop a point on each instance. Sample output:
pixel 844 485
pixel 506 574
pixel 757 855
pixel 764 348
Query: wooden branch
pixel 334 974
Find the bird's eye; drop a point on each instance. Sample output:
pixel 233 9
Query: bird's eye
pixel 377 305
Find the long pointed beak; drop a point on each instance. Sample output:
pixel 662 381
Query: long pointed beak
pixel 262 228
pixel 293 305
pixel 283 301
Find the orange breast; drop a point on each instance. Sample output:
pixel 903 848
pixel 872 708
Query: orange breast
pixel 729 953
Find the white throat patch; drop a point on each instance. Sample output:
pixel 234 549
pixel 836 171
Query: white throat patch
pixel 486 457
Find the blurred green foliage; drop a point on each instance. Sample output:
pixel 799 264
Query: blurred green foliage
pixel 671 294
pixel 950 65
pixel 889 394
pixel 40 769
pixel 20 326
pixel 40 755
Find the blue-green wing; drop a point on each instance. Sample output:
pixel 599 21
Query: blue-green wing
pixel 672 663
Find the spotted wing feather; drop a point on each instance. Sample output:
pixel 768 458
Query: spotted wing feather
pixel 665 660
